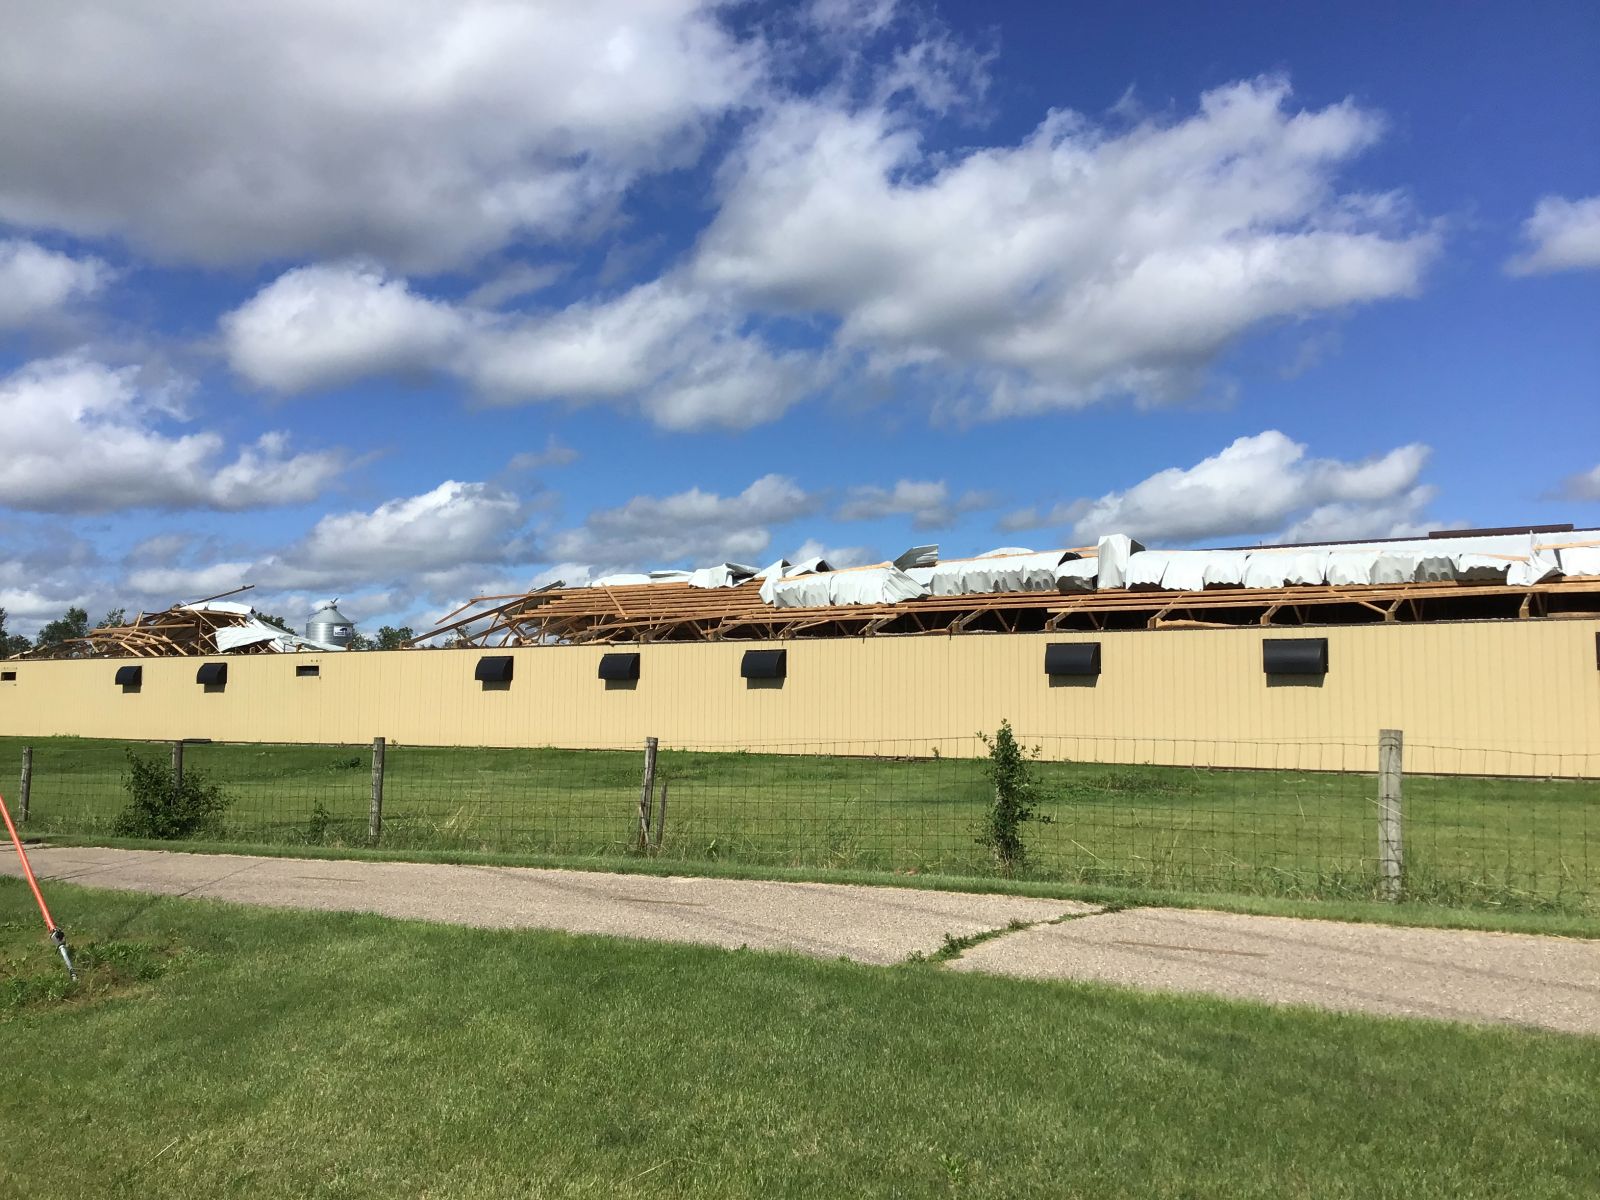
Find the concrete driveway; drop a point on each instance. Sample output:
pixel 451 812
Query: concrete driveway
pixel 873 925
pixel 1543 982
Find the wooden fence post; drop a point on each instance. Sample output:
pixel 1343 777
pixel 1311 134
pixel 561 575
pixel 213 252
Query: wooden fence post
pixel 375 812
pixel 1391 825
pixel 177 763
pixel 647 792
pixel 25 792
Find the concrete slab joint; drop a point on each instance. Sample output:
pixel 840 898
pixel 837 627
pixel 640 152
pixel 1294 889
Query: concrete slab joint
pixel 1544 982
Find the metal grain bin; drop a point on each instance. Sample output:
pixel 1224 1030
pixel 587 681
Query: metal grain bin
pixel 327 624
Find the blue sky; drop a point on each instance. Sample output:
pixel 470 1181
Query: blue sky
pixel 308 297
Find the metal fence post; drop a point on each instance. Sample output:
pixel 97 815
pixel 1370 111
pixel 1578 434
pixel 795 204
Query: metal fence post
pixel 177 763
pixel 647 793
pixel 375 813
pixel 1391 847
pixel 25 792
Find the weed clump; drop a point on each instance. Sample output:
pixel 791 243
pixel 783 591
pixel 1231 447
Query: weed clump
pixel 1015 801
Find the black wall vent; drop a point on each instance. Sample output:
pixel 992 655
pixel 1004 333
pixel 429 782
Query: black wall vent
pixel 1596 651
pixel 212 674
pixel 8 676
pixel 1072 658
pixel 307 671
pixel 619 666
pixel 1295 656
pixel 130 676
pixel 493 668
pixel 765 664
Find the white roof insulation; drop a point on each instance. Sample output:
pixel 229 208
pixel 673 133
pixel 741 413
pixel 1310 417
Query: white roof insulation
pixel 808 566
pixel 1077 575
pixel 1518 559
pixel 882 584
pixel 722 575
pixel 1145 568
pixel 998 571
pixel 1580 560
pixel 1185 570
pixel 1112 553
pixel 1350 567
pixel 1285 568
pixel 1225 570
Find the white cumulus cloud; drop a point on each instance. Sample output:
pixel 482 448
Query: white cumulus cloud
pixel 927 502
pixel 327 324
pixel 1256 486
pixel 673 353
pixel 223 131
pixel 82 436
pixel 1085 260
pixel 694 526
pixel 455 524
pixel 1583 486
pixel 1561 235
pixel 36 282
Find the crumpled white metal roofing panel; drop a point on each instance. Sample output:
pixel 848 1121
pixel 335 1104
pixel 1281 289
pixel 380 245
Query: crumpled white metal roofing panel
pixel 1285 568
pixel 721 575
pixel 1019 571
pixel 1112 554
pixel 884 584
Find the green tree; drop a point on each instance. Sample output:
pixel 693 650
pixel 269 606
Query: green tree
pixel 113 618
pixel 72 624
pixel 390 638
pixel 11 643
pixel 274 619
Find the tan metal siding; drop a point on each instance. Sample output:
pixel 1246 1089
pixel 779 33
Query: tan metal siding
pixel 1476 697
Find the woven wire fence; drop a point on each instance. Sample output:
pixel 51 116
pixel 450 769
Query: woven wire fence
pixel 1288 818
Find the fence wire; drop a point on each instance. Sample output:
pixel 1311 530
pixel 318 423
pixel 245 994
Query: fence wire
pixel 1300 819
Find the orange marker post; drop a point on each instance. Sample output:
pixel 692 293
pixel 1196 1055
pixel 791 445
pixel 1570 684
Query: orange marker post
pixel 58 936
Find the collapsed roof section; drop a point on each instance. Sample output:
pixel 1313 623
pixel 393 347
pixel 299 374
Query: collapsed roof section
pixel 206 627
pixel 1116 584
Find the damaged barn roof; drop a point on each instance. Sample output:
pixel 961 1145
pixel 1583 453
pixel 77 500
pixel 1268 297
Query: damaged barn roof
pixel 204 627
pixel 1117 583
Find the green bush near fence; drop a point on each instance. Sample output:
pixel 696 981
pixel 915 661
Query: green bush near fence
pixel 165 805
pixel 1515 844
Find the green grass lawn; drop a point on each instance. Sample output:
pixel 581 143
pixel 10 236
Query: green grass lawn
pixel 1501 843
pixel 220 1051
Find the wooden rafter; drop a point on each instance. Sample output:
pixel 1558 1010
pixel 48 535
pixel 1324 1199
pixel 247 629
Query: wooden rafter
pixel 678 612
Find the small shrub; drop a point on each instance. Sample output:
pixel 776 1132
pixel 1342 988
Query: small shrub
pixel 320 825
pixel 1015 800
pixel 161 807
